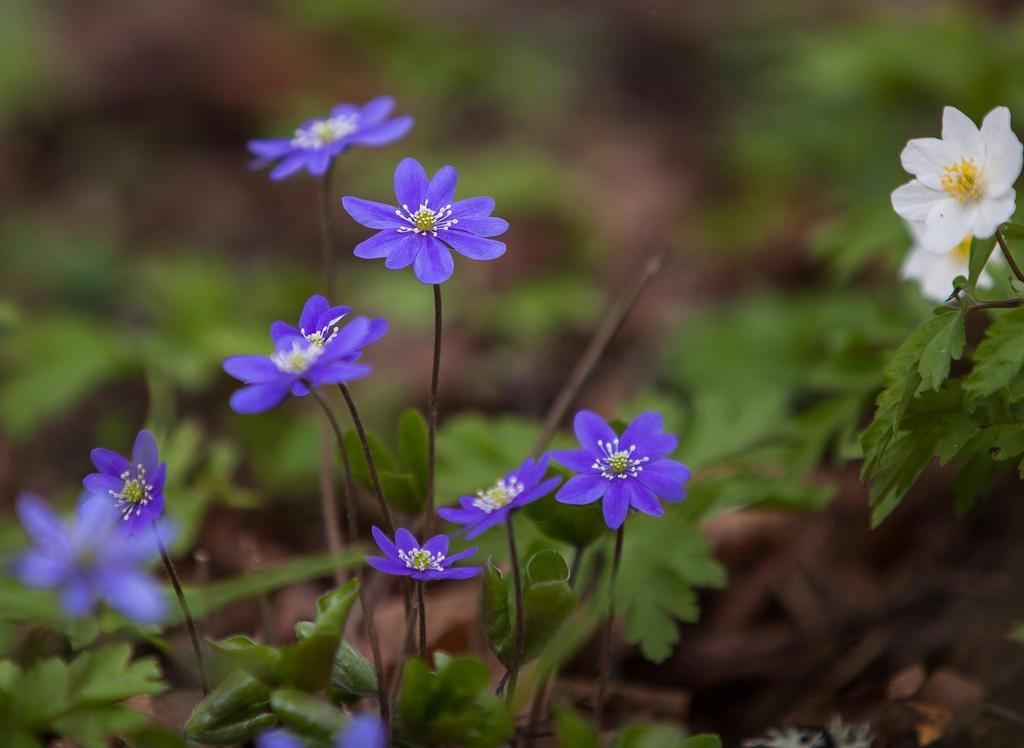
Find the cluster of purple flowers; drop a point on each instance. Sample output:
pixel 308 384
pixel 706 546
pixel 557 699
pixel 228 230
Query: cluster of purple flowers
pixel 103 555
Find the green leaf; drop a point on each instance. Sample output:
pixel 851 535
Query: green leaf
pixel 981 251
pixel 945 346
pixel 497 613
pixel 901 381
pixel 399 486
pixel 307 665
pixel 573 731
pixel 352 676
pixel 547 602
pixel 232 708
pixel 655 736
pixel 579 526
pixel 412 447
pixel 452 706
pixel 259 660
pixel 663 559
pixel 1000 356
pixel 307 715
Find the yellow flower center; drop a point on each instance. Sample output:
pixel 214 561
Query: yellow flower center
pixel 499 495
pixel 424 218
pixel 962 180
pixel 133 491
pixel 618 462
pixel 421 559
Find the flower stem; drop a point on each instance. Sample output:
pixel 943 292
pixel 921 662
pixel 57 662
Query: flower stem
pixel 1004 304
pixel 606 646
pixel 326 234
pixel 432 409
pixel 368 455
pixel 611 323
pixel 517 657
pixel 1008 255
pixel 331 520
pixel 371 627
pixel 421 604
pixel 190 623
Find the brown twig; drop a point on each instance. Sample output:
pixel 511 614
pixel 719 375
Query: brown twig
pixel 368 455
pixel 1008 255
pixel 435 376
pixel 186 613
pixel 602 337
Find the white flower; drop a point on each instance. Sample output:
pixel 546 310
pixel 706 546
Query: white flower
pixel 935 273
pixel 964 183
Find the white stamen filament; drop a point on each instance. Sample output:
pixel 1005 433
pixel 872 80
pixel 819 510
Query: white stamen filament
pixel 421 559
pixel 323 132
pixel 618 463
pixel 499 495
pixel 134 494
pixel 426 220
pixel 298 359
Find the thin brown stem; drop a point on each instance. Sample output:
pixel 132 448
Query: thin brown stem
pixel 333 528
pixel 371 627
pixel 422 606
pixel 1002 304
pixel 186 613
pixel 389 522
pixel 326 233
pixel 606 646
pixel 435 377
pixel 517 583
pixel 611 323
pixel 1008 255
pixel 331 520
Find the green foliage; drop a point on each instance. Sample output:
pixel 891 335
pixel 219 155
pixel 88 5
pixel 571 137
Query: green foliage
pixel 233 712
pixel 82 700
pixel 451 706
pixel 663 560
pixel 303 713
pixel 547 602
pixel 403 478
pixel 305 666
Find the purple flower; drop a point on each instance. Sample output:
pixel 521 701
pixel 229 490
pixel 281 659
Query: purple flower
pixel 493 505
pixel 364 731
pixel 422 234
pixel 320 324
pixel 136 486
pixel 90 561
pixel 324 355
pixel 317 142
pixel 627 471
pixel 424 563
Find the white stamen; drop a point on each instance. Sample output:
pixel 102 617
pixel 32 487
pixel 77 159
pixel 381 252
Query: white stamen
pixel 421 559
pixel 323 132
pixel 499 495
pixel 134 494
pixel 298 359
pixel 426 220
pixel 618 463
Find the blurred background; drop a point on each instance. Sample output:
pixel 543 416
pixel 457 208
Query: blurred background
pixel 755 144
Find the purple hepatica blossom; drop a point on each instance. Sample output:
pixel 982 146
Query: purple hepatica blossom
pixel 427 224
pixel 320 324
pixel 136 486
pixel 297 364
pixel 90 561
pixel 365 731
pixel 493 505
pixel 427 563
pixel 317 142
pixel 627 471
